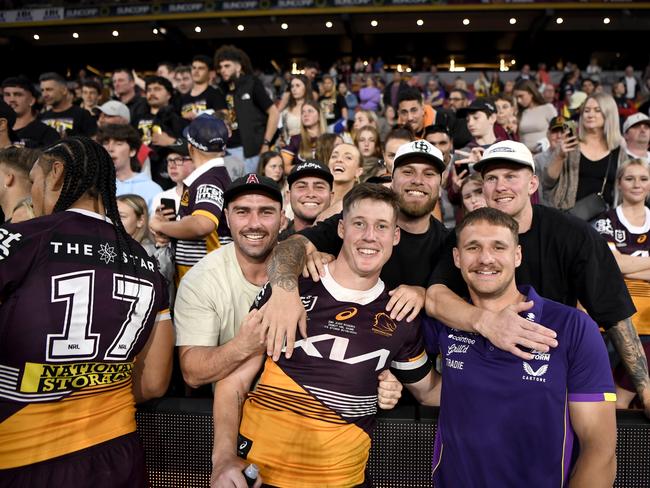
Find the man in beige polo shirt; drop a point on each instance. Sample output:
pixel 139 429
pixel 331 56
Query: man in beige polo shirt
pixel 211 309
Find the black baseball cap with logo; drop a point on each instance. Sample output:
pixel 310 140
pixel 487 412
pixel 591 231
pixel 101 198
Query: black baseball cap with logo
pixel 252 183
pixel 479 105
pixel 310 167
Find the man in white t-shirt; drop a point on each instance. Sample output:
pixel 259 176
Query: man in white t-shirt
pixel 216 294
pixel 636 131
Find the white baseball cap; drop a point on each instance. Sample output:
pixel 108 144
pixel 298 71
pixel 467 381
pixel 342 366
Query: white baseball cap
pixel 510 151
pixel 114 108
pixel 419 151
pixel 634 119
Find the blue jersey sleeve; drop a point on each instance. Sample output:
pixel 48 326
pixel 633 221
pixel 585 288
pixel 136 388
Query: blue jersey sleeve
pixel 589 374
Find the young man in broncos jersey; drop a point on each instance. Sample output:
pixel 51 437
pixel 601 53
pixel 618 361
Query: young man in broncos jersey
pixel 309 420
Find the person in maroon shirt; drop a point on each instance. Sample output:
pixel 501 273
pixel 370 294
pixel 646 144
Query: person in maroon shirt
pixel 85 327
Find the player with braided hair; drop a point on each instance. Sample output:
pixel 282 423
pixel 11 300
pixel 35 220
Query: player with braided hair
pixel 86 332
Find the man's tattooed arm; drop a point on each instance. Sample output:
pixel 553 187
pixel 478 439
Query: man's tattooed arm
pixel 627 343
pixel 287 262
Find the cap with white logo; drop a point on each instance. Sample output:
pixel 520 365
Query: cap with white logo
pixel 509 151
pixel 419 151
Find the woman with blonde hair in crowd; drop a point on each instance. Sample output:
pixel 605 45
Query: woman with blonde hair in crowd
pixel 303 145
pixel 299 91
pixel 325 145
pixel 584 161
pixel 346 166
pixel 626 228
pixel 363 118
pixel 534 114
pixel 135 219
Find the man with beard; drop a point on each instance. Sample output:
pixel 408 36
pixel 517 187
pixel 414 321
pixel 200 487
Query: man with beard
pixel 416 181
pixel 252 116
pixel 214 297
pixel 19 93
pixel 160 127
pixel 563 257
pixel 310 193
pixel 67 119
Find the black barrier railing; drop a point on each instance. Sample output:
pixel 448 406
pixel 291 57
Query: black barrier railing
pixel 177 437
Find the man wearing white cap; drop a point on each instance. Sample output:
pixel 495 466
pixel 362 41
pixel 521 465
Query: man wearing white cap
pixel 113 112
pixel 636 131
pixel 563 258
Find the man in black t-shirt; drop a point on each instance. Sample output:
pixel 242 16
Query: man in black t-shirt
pixel 252 116
pixel 416 180
pixel 65 118
pixel 19 93
pixel 564 259
pixel 201 96
pixel 159 127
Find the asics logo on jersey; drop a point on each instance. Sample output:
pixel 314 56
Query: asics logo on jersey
pixel 339 350
pixel 346 314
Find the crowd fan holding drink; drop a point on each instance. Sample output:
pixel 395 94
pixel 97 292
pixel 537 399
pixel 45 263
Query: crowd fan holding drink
pixel 342 233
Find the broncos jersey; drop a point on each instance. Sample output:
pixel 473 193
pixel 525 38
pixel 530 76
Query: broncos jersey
pixel 75 311
pixel 309 421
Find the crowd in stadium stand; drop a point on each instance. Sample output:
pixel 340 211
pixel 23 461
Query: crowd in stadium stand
pixel 230 180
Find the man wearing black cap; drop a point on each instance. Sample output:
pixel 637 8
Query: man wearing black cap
pixel 65 118
pixel 19 93
pixel 416 180
pixel 201 228
pixel 310 193
pixel 481 115
pixel 213 330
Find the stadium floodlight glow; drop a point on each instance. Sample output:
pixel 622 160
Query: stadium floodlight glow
pixel 465 21
pixel 420 22
pixel 155 31
pixel 240 28
pixel 75 35
pixel 328 24
pixel 36 37
pixel 284 26
pixel 163 31
pixel 115 33
pixel 606 20
pixel 512 21
pixel 197 29
pixel 559 20
pixel 513 62
pixel 374 23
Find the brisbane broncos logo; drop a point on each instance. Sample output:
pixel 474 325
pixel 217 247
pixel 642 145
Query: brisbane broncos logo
pixel 383 325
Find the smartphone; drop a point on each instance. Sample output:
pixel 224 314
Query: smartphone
pixel 462 167
pixel 169 204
